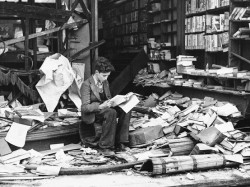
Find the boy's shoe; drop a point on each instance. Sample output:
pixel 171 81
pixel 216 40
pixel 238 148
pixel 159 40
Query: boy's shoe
pixel 107 152
pixel 121 148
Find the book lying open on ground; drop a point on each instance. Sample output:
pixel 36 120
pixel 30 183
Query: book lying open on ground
pixel 125 102
pixel 30 114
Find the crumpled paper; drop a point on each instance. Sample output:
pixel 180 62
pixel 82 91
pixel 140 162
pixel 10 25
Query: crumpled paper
pixel 58 76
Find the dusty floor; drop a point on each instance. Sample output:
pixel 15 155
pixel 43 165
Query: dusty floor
pixel 226 177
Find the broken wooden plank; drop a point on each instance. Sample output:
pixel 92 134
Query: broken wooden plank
pixel 93 170
pixel 35 35
pixel 86 11
pixel 91 46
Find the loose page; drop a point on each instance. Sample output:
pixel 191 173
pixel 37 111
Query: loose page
pixel 131 103
pixel 58 76
pixel 17 134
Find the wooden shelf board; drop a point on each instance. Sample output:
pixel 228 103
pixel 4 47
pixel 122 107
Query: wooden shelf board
pixel 215 51
pixel 195 14
pixel 218 32
pixel 218 91
pixel 199 32
pixel 154 12
pixel 219 77
pixel 195 49
pixel 223 8
pixel 240 21
pixel 240 39
pixel 167 60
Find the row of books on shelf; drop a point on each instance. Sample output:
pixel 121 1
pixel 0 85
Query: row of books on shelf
pixel 130 28
pixel 194 6
pixel 208 23
pixel 240 13
pixel 217 42
pixel 195 24
pixel 184 65
pixel 155 7
pixel 212 4
pixel 243 32
pixel 125 8
pixel 195 41
pixel 217 23
pixel 131 40
pixel 156 54
pixel 214 42
pixel 126 18
pixel 127 28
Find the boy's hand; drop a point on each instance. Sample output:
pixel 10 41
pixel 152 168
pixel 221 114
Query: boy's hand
pixel 105 104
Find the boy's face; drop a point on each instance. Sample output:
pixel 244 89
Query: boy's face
pixel 102 76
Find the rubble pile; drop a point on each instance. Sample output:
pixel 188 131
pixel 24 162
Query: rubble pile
pixel 175 134
pixel 194 126
pixel 145 78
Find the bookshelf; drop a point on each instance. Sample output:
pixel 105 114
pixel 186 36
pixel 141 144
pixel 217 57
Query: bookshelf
pixel 239 35
pixel 206 31
pixel 124 25
pixel 165 31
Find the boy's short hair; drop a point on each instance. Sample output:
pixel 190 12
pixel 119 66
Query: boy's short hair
pixel 103 65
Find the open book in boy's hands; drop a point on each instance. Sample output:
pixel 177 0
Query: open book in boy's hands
pixel 126 102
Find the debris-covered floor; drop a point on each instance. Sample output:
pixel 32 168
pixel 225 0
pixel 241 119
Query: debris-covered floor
pixel 172 138
pixel 221 177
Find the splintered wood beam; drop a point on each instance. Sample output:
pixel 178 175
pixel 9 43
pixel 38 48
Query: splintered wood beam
pixel 35 35
pixel 240 57
pixel 74 5
pixel 92 46
pixel 86 11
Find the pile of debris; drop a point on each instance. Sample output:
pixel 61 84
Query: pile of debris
pixel 186 127
pixel 145 78
pixel 174 134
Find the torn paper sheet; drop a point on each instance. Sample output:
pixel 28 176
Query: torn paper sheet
pixel 17 134
pixel 58 76
pixel 74 91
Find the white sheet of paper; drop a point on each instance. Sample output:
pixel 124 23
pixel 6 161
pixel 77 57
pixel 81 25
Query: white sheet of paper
pixel 74 89
pixel 57 79
pixel 48 170
pixel 17 134
pixel 14 154
pixel 245 152
pixel 235 158
pixel 225 110
pixel 225 127
pixel 240 146
pixel 9 168
pixel 132 102
pixel 74 94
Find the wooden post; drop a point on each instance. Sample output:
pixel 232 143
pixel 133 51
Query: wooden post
pixel 59 34
pixel 94 32
pixel 27 20
pixel 180 27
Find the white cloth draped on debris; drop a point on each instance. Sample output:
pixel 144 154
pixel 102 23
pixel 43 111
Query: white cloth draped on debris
pixel 58 76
